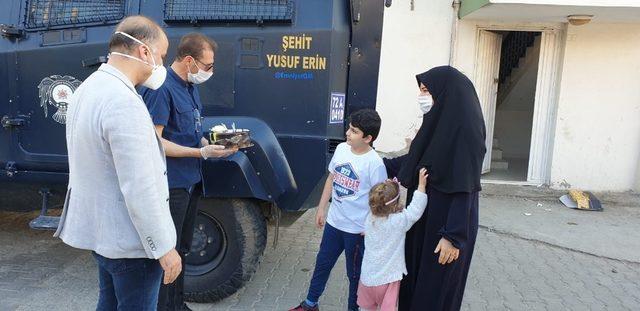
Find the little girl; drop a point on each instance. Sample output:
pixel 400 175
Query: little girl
pixel 383 264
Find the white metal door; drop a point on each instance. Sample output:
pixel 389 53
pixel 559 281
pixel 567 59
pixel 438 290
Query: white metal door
pixel 486 83
pixel 544 111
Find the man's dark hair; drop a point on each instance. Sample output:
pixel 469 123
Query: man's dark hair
pixel 139 27
pixel 368 121
pixel 192 44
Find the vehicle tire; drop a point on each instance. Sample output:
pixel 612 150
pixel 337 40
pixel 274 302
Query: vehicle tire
pixel 228 242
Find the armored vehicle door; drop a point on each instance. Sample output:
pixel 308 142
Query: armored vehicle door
pixel 9 33
pixel 64 42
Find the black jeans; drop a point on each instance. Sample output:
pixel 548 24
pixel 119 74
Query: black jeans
pixel 183 204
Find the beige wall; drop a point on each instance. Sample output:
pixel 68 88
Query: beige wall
pixel 597 139
pixel 596 143
pixel 465 48
pixel 412 42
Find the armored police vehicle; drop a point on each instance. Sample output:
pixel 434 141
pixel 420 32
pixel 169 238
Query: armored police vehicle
pixel 290 71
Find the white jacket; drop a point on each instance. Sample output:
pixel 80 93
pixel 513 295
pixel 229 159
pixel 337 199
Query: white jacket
pixel 118 199
pixel 384 238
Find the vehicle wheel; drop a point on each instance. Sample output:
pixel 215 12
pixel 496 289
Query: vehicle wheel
pixel 228 241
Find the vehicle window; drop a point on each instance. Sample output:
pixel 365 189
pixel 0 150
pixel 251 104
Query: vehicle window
pixel 228 10
pixel 59 13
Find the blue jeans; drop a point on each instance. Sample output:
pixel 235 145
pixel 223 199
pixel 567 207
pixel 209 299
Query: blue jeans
pixel 335 241
pixel 128 284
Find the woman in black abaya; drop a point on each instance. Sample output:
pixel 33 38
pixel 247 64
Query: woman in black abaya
pixel 451 145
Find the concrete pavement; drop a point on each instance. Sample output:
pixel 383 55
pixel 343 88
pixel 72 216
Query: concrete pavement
pixel 531 254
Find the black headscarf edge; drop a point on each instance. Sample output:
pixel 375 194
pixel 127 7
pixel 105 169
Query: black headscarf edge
pixel 453 129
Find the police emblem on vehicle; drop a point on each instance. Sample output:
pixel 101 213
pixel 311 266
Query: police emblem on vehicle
pixel 56 91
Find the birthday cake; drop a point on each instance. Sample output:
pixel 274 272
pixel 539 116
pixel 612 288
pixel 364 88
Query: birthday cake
pixel 230 138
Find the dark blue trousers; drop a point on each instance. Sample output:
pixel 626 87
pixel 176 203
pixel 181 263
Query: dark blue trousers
pixel 334 242
pixel 128 284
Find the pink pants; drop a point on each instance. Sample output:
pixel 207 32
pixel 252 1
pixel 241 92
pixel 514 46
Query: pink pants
pixel 383 296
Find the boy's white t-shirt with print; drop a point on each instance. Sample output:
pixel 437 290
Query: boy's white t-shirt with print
pixel 353 177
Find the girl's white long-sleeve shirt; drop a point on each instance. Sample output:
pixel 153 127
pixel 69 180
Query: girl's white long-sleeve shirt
pixel 384 238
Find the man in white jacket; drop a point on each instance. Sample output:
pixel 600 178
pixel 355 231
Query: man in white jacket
pixel 117 202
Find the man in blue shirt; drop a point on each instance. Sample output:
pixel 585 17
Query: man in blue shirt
pixel 175 109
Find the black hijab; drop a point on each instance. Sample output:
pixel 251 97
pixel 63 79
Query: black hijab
pixel 451 140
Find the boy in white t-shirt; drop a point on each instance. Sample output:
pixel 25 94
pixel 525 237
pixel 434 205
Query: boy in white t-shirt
pixel 354 169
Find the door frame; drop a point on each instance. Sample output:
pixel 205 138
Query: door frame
pixel 486 77
pixel 546 96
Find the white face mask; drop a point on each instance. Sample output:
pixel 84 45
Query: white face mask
pixel 425 102
pixel 200 77
pixel 158 73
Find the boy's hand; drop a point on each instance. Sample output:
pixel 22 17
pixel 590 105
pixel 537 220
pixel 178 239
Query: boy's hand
pixel 320 217
pixel 422 180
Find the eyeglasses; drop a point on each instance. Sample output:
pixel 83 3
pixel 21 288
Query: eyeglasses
pixel 207 67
